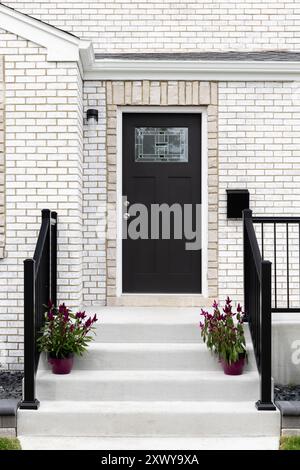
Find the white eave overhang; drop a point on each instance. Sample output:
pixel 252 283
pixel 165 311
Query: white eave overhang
pixel 114 69
pixel 65 47
pixel 60 45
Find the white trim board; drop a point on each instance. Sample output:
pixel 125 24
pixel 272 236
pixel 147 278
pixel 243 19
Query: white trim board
pixel 204 183
pixel 61 46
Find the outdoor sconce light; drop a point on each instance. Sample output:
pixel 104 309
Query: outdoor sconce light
pixel 92 116
pixel 237 201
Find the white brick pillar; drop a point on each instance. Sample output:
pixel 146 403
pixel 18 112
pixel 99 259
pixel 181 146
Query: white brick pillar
pixel 2 160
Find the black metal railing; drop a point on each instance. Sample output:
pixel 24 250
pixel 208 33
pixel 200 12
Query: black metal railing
pixel 40 285
pixel 283 233
pixel 257 301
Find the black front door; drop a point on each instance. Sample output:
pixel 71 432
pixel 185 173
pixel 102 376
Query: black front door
pixel 161 165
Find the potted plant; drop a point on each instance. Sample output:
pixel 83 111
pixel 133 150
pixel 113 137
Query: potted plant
pixel 64 335
pixel 224 335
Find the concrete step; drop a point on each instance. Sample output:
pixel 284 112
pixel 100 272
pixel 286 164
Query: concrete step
pixel 148 443
pixel 147 386
pixel 158 418
pixel 148 376
pixel 149 356
pixel 147 324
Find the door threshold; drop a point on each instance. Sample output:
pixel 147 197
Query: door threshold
pixel 160 300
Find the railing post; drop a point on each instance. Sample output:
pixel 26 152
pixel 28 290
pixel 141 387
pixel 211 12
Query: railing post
pixel 46 214
pixel 53 255
pixel 265 402
pixel 247 214
pixel 29 401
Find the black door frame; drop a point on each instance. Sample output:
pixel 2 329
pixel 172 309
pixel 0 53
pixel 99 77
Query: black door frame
pixel 204 188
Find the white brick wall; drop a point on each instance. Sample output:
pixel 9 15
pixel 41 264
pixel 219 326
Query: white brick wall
pixel 258 138
pixel 94 197
pixel 259 149
pixel 190 25
pixel 43 169
pixel 2 158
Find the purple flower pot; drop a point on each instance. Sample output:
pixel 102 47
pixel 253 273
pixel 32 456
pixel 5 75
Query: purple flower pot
pixel 235 368
pixel 61 365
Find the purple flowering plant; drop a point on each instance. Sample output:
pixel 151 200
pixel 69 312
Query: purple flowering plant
pixel 64 332
pixel 223 331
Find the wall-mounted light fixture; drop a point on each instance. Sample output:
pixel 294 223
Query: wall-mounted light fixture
pixel 92 116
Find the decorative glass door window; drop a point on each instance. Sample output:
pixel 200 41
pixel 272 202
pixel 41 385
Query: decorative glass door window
pixel 161 144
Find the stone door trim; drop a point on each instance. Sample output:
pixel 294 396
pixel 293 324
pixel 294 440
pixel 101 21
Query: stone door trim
pixel 161 94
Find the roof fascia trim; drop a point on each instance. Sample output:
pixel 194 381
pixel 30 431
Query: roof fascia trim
pixel 60 45
pixel 185 70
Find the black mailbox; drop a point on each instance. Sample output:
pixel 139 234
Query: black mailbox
pixel 237 201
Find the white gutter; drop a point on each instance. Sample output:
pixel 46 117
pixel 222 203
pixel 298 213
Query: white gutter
pixel 116 69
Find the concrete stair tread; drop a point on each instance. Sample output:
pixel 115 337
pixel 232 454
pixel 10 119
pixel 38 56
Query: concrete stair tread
pixel 148 375
pixel 169 316
pixel 148 324
pixel 147 346
pixel 148 315
pixel 177 407
pixel 148 418
pixel 151 385
pixel 169 347
pixel 148 443
pixel 149 356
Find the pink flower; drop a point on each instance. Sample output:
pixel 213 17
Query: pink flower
pixel 50 316
pixel 227 308
pixel 80 315
pixel 88 323
pixel 63 309
pixel 66 317
pixel 94 319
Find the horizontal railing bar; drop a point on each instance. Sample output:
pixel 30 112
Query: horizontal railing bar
pixel 276 220
pixel 286 310
pixel 40 243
